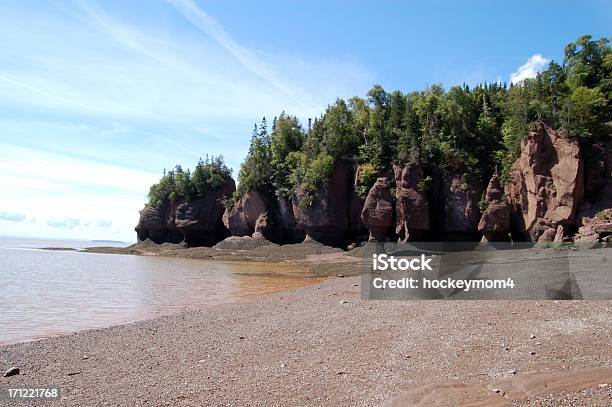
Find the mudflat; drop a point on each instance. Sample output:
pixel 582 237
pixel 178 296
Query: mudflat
pixel 324 345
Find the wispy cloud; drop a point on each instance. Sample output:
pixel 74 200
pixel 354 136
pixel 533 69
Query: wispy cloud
pixel 50 172
pixel 12 216
pixel 99 99
pixel 530 69
pixel 245 56
pixel 65 223
pixel 104 223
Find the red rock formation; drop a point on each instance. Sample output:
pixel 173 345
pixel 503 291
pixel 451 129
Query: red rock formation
pixel 200 221
pixel 326 218
pixel 356 226
pixel 242 217
pixel 290 232
pixel 461 211
pixel 261 226
pixel 598 186
pixel 546 185
pixel 158 224
pixel 377 213
pixel 152 225
pixel 411 207
pixel 495 221
pixel 597 228
pixel 560 235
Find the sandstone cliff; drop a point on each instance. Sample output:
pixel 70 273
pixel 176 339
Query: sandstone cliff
pixel 325 216
pixel 556 192
pixel 241 218
pixel 197 222
pixel 495 222
pixel 547 185
pixel 412 206
pixel 377 213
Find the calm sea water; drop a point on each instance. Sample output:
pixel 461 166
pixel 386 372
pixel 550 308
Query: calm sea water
pixel 45 293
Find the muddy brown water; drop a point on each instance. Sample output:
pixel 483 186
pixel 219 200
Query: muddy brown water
pixel 52 292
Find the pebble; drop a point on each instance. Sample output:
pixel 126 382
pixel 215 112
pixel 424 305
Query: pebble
pixel 12 372
pixel 513 371
pixel 532 336
pixel 340 275
pixel 532 353
pixel 497 391
pixel 344 302
pixel 85 357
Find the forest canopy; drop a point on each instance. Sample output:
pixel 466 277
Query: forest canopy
pixel 179 185
pixel 462 130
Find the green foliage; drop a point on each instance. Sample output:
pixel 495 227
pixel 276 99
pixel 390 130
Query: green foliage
pixel 606 214
pixel 209 175
pixel 287 138
pixel 178 185
pixel 256 171
pixel 423 184
pixel 581 111
pixel 466 131
pixel 317 172
pixel 367 178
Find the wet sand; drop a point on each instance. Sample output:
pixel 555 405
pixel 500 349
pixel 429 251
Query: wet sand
pixel 323 345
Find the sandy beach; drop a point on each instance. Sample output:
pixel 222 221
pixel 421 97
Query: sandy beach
pixel 324 345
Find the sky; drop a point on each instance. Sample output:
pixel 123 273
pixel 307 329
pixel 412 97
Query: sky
pixel 98 97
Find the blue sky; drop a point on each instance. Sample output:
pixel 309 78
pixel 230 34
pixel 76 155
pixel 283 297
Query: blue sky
pixel 96 98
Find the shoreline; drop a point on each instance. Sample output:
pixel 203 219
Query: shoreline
pixel 319 260
pixel 267 351
pixel 317 280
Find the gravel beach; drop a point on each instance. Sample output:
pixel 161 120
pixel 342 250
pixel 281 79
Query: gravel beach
pixel 323 345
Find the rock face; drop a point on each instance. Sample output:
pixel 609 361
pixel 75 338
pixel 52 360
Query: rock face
pixel 198 222
pixel 326 218
pixel 559 235
pixel 377 213
pixel 546 185
pixel 412 209
pixel 597 228
pixel 356 226
pixel 242 217
pixel 461 211
pixel 158 224
pixel 556 188
pixel 291 232
pixel 495 222
pixel 598 186
pixel 261 226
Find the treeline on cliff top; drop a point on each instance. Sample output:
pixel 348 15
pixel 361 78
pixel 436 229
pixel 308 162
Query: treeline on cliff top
pixel 469 131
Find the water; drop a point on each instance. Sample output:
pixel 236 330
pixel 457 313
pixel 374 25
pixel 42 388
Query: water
pixel 45 293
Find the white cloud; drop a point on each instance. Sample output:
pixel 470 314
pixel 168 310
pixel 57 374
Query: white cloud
pixel 92 63
pixel 28 168
pixel 534 64
pixel 65 223
pixel 12 216
pixel 104 223
pixel 246 57
pixel 69 197
pixel 100 100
